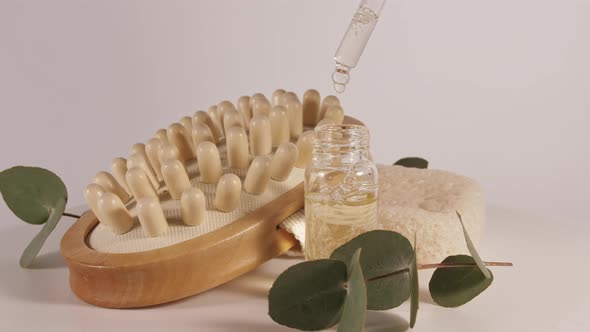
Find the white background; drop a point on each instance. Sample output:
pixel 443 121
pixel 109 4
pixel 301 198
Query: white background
pixel 496 90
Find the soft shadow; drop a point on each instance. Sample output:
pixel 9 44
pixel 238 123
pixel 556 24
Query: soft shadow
pixel 256 283
pixel 377 321
pixel 52 260
pixel 259 281
pixel 295 256
pixel 425 296
pixel 46 281
pixel 381 321
pixel 243 326
pixel 253 284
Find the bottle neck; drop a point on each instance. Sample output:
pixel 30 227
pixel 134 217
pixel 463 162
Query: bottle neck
pixel 340 145
pixel 340 159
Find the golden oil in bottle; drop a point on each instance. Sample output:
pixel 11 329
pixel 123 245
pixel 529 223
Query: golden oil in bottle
pixel 331 224
pixel 340 188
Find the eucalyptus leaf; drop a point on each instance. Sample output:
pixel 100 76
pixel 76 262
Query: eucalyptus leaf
pixel 36 196
pixel 472 250
pixel 355 304
pixel 455 286
pixel 414 289
pixel 384 253
pixel 413 162
pixel 31 192
pixel 309 296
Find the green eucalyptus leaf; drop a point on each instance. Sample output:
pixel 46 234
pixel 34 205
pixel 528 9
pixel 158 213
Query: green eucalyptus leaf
pixel 384 252
pixel 355 304
pixel 455 286
pixel 413 162
pixel 414 289
pixel 36 196
pixel 472 250
pixel 309 296
pixel 31 193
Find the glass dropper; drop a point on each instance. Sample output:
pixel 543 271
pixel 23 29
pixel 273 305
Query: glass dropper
pixel 354 41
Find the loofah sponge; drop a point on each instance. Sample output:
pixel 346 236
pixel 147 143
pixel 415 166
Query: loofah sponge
pixel 423 202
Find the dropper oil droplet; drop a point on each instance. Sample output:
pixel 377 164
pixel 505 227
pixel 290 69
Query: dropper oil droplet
pixel 339 87
pixel 340 77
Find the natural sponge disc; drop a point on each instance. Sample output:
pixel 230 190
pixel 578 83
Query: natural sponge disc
pixel 422 203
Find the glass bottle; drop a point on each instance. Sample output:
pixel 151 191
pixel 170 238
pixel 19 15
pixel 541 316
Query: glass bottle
pixel 341 189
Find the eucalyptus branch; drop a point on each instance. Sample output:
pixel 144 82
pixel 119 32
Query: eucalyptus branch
pixel 388 275
pixel 36 196
pixel 436 266
pixel 451 265
pixel 297 298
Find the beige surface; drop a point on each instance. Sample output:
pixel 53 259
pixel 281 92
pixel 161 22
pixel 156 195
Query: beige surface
pixel 40 299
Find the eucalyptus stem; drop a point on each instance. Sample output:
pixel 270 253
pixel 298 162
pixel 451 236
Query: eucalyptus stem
pixel 448 265
pixel 439 265
pixel 388 275
pixel 71 215
pixel 34 247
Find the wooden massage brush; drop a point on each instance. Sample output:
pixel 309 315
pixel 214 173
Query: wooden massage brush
pixel 199 203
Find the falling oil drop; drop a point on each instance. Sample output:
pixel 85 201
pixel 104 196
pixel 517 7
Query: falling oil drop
pixel 340 77
pixel 339 87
